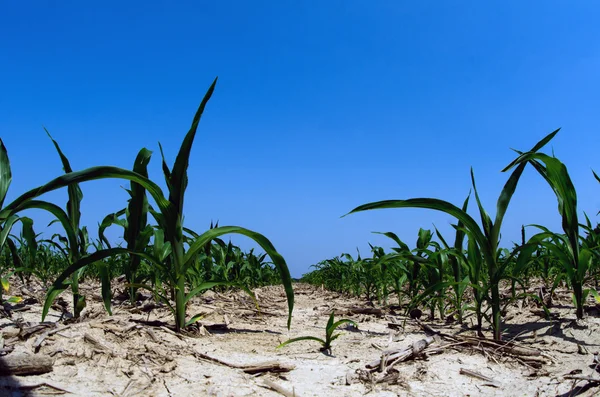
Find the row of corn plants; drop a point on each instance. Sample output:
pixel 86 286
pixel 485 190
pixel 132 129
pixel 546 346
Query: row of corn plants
pixel 470 273
pixel 158 253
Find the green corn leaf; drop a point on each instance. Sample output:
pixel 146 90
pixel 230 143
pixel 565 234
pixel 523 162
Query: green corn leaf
pixel 195 319
pixel 584 263
pixel 337 324
pixel 535 148
pixel 5 174
pixel 301 338
pixel 205 286
pixel 460 233
pixel 109 220
pixel 5 230
pixel 393 236
pixel 5 284
pixel 165 168
pixel 178 177
pixel 485 218
pixel 504 200
pixel 30 237
pixel 594 293
pixel 75 193
pixel 434 204
pixel 104 273
pixel 14 299
pixel 89 174
pixel 59 213
pixel 328 327
pixel 137 210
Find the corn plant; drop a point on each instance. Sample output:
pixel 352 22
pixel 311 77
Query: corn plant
pixel 457 263
pixel 486 237
pixel 416 258
pixel 136 232
pixel 435 269
pixel 342 274
pixel 169 217
pixel 575 258
pixel 329 334
pixel 78 240
pixel 592 240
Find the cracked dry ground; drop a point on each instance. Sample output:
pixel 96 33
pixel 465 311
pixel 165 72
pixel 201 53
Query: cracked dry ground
pixel 233 351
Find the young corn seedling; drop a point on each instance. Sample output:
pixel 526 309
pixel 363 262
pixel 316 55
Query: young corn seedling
pixel 460 281
pixel 486 237
pixel 329 334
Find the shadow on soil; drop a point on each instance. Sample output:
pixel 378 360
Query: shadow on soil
pixel 554 329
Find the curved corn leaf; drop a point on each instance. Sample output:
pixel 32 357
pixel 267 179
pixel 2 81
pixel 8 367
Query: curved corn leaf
pixel 301 338
pixel 60 215
pixel 109 220
pixel 336 325
pixel 594 293
pixel 535 148
pixel 195 318
pixel 393 236
pixel 266 245
pixel 5 173
pixel 433 204
pixel 204 287
pixel 75 193
pixel 89 174
pixel 5 230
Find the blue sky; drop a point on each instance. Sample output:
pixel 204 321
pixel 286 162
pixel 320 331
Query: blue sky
pixel 320 106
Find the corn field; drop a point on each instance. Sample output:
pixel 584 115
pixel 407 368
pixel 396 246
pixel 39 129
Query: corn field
pixel 465 277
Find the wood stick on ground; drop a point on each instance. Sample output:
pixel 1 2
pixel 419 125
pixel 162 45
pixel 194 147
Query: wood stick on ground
pixel 390 358
pixel 496 347
pixel 365 310
pixel 25 364
pixel 474 374
pixel 97 343
pixel 38 342
pixel 26 332
pixel 269 366
pixel 279 389
pixel 151 334
pixel 477 375
pixel 583 377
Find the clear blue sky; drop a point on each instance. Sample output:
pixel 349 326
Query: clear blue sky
pixel 320 106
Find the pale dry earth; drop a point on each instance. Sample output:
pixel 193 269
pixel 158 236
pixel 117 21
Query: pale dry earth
pixel 102 355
